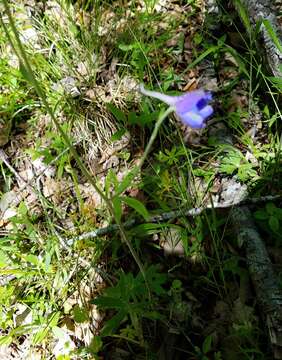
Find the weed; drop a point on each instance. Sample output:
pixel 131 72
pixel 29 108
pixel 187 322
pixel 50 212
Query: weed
pixel 133 299
pixel 271 217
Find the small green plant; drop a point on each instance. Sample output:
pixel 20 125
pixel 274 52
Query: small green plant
pixel 133 299
pixel 202 353
pixel 234 163
pixel 16 98
pixel 145 118
pixel 56 150
pixel 272 216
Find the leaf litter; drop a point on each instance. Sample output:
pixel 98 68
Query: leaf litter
pixel 93 137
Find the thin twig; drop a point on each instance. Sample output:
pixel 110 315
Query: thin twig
pixel 4 158
pixel 168 216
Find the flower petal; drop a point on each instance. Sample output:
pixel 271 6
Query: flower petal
pixel 206 111
pixel 190 100
pixel 193 119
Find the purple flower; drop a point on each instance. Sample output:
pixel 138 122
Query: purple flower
pixel 192 108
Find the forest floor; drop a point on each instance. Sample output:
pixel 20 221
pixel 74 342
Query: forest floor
pixel 112 248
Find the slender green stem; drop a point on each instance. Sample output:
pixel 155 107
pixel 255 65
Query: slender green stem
pixel 136 170
pixel 154 135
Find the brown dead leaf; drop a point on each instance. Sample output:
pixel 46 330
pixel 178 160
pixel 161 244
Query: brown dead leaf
pixel 90 94
pixel 90 196
pixel 82 69
pixel 188 45
pixel 238 101
pixel 191 85
pixel 56 190
pixel 190 136
pixel 5 129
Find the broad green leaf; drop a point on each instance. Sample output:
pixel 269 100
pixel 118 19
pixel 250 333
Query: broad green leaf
pixel 55 317
pixel 133 119
pixel 246 171
pixel 176 285
pixel 272 34
pixel 80 314
pixel 155 279
pixel 118 114
pixel 117 208
pixel 273 223
pixel 32 259
pixel 243 15
pixel 112 324
pixel 118 135
pixel 129 47
pixel 278 213
pixel 126 181
pixel 270 208
pixel 6 340
pixel 145 118
pixel 111 181
pixel 4 260
pixel 25 73
pixel 273 118
pixel 136 205
pixel 206 347
pixel 276 80
pixel 19 272
pixel 106 302
pixel 96 344
pixel 22 209
pixel 261 215
pixel 153 315
pixel 40 335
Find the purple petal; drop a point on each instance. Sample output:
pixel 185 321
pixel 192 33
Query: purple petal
pixel 193 108
pixel 206 111
pixel 193 119
pixel 190 100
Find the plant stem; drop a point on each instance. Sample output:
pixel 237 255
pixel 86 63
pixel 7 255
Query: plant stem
pixel 154 135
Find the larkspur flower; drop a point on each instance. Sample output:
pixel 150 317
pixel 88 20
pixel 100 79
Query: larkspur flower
pixel 192 108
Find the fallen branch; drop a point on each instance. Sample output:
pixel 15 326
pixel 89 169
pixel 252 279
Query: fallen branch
pixel 264 12
pixel 167 216
pixel 262 274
